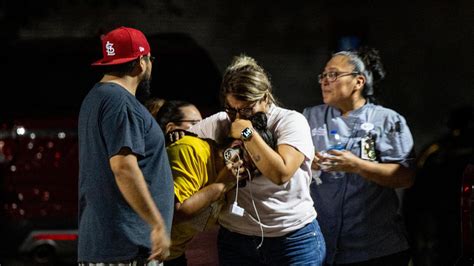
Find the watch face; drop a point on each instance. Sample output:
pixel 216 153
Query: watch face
pixel 246 133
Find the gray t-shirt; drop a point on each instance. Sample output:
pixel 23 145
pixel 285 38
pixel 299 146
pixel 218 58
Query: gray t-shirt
pixel 359 218
pixel 109 229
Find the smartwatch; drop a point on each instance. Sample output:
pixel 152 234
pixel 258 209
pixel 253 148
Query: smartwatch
pixel 246 133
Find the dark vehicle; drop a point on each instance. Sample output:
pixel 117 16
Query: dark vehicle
pixel 39 170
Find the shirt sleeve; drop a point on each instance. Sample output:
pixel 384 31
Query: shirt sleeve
pixel 294 130
pixel 189 171
pixel 215 127
pixel 396 142
pixel 122 127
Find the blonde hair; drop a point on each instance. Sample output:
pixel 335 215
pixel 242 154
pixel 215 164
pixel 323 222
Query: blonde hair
pixel 246 81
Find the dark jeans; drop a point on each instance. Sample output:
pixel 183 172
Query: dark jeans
pixel 304 246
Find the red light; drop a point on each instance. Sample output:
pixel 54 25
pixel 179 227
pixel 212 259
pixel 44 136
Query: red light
pixel 467 188
pixel 68 237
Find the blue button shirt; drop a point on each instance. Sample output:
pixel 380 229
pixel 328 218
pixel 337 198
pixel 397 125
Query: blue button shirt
pixel 359 218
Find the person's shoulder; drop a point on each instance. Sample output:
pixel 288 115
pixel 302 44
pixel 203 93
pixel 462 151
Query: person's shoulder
pixel 219 116
pixel 315 109
pixel 189 141
pixel 281 114
pixel 190 145
pixel 389 117
pixel 111 94
pixel 108 88
pixel 385 111
pixel 214 127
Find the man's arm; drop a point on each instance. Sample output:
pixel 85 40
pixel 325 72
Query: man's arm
pixel 133 187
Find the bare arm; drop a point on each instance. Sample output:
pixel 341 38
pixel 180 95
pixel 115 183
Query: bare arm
pixel 132 185
pixel 207 195
pixel 385 174
pixel 280 165
pixel 197 202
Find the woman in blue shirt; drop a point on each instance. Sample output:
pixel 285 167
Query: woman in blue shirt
pixel 354 188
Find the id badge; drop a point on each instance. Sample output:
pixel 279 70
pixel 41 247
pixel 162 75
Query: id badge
pixel 367 150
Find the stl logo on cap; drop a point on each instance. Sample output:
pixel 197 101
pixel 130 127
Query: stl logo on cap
pixel 122 45
pixel 110 49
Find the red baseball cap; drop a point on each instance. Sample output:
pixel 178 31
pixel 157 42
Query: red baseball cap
pixel 122 45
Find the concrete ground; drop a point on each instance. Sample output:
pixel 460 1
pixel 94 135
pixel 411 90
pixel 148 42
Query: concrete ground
pixel 202 250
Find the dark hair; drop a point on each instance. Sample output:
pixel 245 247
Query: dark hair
pixel 367 62
pixel 119 70
pixel 259 122
pixel 170 111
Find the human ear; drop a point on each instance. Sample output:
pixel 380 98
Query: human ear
pixel 143 63
pixel 360 81
pixel 170 126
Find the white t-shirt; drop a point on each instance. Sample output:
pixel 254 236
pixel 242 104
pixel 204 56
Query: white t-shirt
pixel 281 208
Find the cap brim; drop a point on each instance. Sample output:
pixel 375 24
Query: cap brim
pixel 117 61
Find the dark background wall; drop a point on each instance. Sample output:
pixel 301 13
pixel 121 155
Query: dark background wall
pixel 427 47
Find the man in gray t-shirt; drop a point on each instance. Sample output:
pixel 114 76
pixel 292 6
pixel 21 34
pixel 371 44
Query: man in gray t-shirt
pixel 125 183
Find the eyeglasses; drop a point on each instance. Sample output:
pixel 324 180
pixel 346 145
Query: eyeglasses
pixel 245 112
pixel 191 121
pixel 332 76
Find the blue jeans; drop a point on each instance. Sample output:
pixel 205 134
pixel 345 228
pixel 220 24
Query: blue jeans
pixel 304 246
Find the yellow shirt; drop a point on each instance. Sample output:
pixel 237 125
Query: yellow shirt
pixel 192 164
